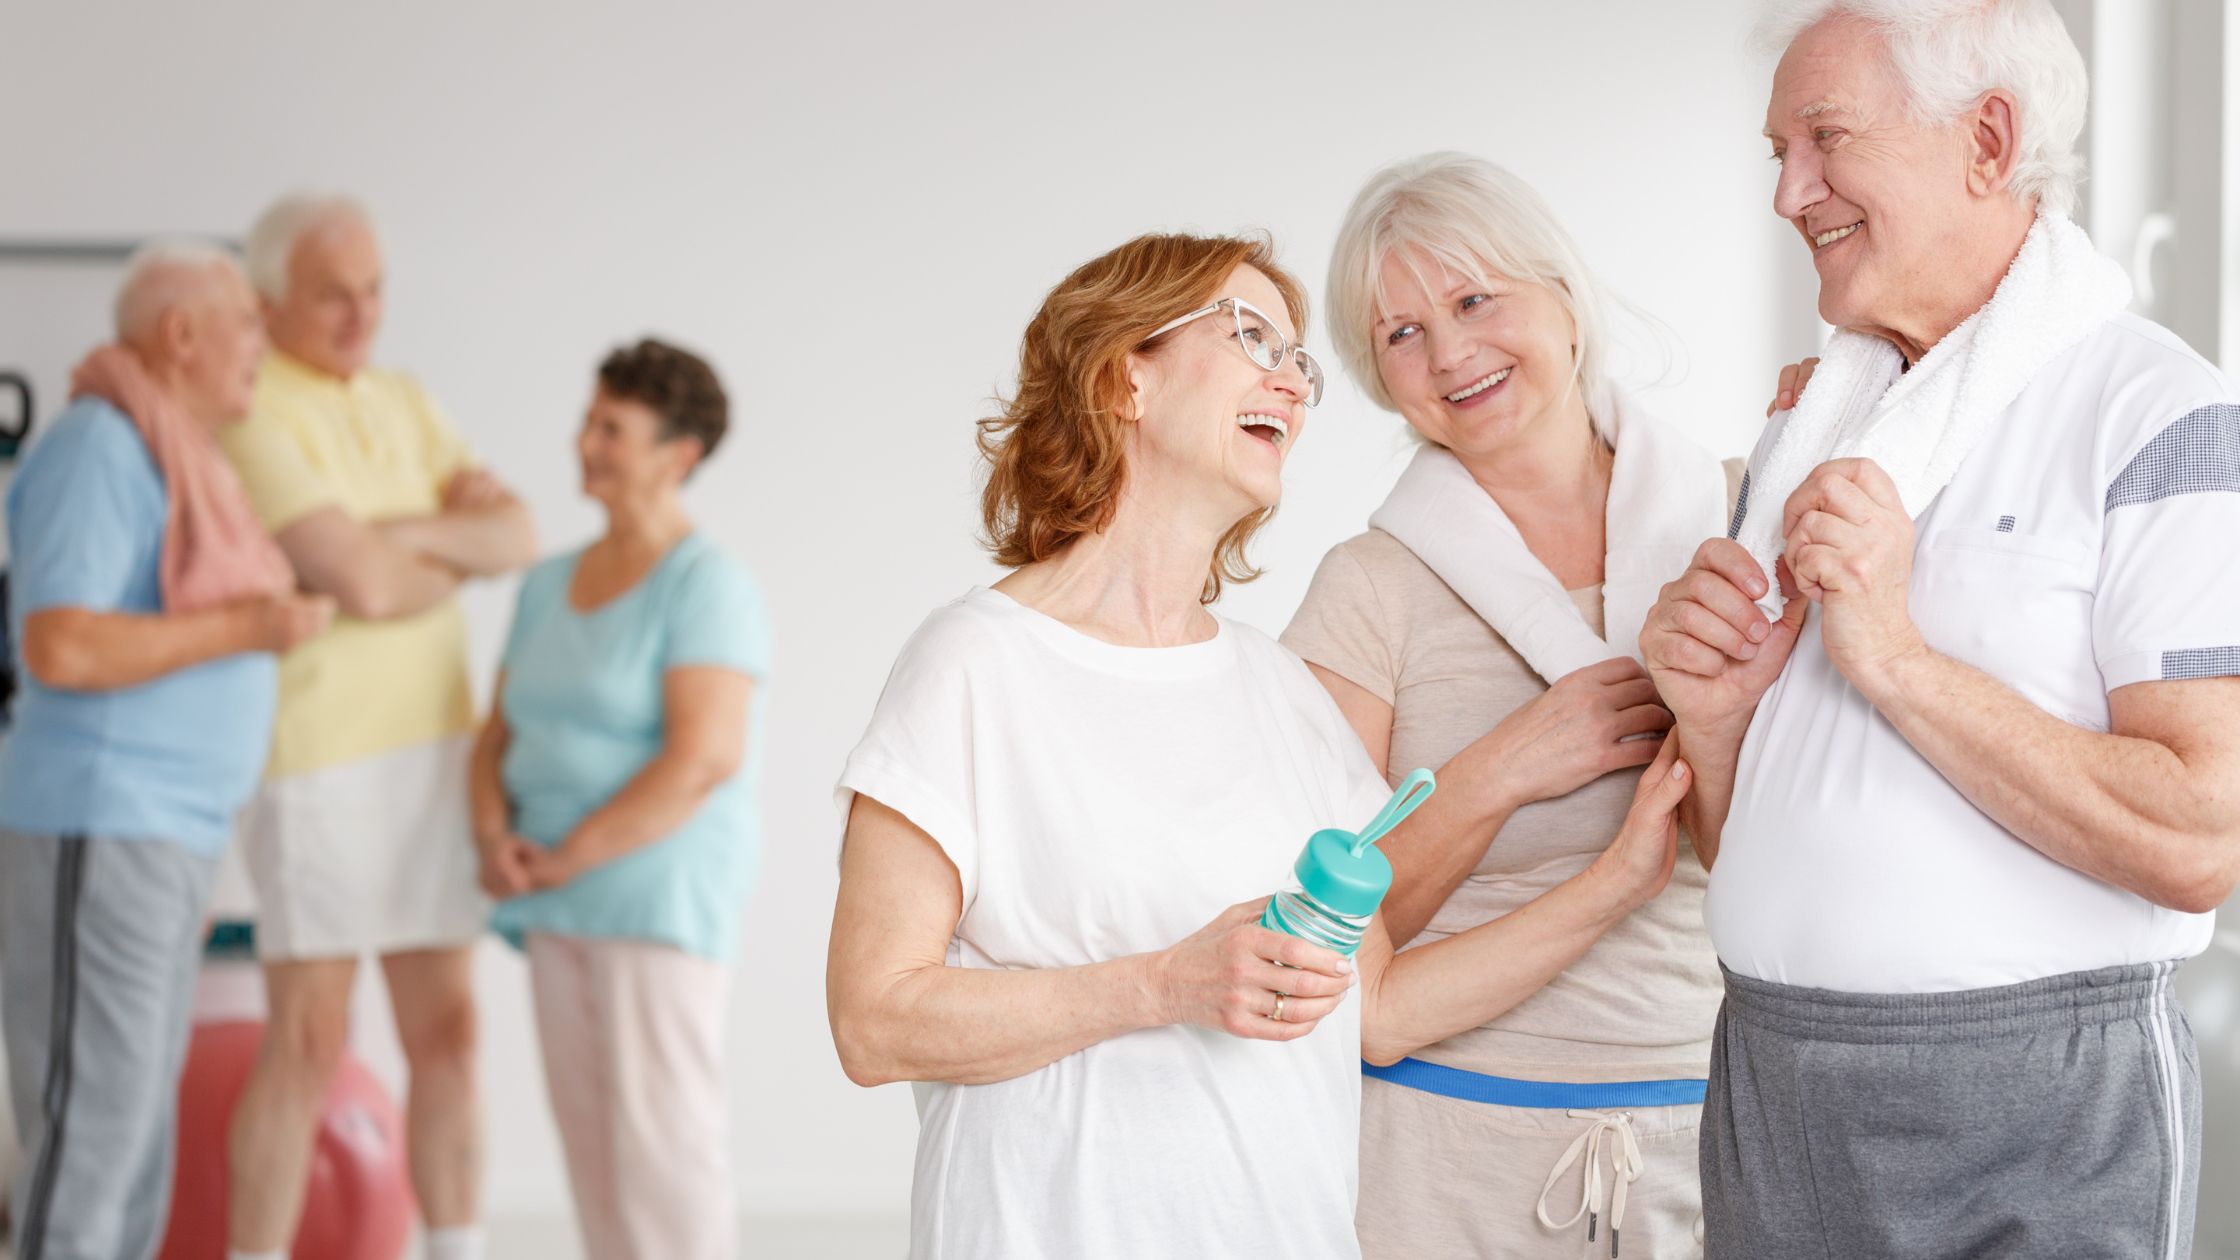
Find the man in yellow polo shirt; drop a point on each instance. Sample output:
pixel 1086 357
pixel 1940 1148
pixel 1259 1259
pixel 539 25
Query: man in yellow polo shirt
pixel 358 840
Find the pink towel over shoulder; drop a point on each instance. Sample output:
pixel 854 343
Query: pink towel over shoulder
pixel 215 550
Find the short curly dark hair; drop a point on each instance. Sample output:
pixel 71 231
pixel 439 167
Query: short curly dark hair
pixel 677 384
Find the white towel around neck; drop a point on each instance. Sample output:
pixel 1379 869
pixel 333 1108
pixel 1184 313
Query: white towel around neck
pixel 1919 424
pixel 1667 495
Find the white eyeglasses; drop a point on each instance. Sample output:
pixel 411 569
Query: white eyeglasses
pixel 1257 335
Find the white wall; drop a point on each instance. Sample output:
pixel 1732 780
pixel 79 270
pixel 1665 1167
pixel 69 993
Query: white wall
pixel 854 211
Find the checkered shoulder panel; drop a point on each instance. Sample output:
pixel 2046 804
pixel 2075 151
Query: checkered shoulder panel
pixel 2199 452
pixel 2210 662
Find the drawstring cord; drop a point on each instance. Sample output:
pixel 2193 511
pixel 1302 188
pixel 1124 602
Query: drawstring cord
pixel 1616 1129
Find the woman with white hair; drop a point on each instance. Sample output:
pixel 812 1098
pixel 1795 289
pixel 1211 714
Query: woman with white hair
pixel 1079 788
pixel 1486 622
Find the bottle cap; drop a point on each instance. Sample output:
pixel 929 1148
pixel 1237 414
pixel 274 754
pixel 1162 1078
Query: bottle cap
pixel 1343 869
pixel 1332 871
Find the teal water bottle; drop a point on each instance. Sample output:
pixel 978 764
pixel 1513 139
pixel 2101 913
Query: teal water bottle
pixel 1341 877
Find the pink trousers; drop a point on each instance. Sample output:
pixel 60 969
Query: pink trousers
pixel 632 1034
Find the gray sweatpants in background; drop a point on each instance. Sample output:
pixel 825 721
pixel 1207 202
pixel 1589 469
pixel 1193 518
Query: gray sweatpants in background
pixel 2055 1119
pixel 101 941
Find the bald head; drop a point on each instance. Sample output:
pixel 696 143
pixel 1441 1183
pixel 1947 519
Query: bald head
pixel 316 264
pixel 169 276
pixel 187 312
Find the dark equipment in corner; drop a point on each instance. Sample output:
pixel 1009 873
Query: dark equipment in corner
pixel 15 428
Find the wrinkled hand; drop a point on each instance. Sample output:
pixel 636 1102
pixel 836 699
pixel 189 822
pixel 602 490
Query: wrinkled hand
pixel 504 865
pixel 1225 976
pixel 1576 731
pixel 1849 544
pixel 1790 387
pixel 1710 651
pixel 553 867
pixel 472 489
pixel 1638 864
pixel 279 622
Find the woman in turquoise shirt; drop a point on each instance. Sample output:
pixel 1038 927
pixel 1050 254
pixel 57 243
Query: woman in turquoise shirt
pixel 615 814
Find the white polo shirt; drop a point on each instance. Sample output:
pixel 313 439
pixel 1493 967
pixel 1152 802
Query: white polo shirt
pixel 2091 541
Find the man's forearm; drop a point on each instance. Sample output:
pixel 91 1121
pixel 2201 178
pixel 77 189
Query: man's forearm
pixel 79 649
pixel 401 583
pixel 1712 754
pixel 2124 810
pixel 480 542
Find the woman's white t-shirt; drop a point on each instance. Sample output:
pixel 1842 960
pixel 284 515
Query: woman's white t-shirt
pixel 1100 801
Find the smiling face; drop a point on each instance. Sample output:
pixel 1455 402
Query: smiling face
pixel 1477 368
pixel 625 454
pixel 1882 202
pixel 332 308
pixel 1209 419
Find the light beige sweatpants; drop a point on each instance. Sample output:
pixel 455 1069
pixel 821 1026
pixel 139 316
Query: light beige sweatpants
pixel 1445 1177
pixel 632 1034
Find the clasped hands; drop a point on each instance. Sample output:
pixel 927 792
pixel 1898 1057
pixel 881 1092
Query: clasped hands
pixel 1847 546
pixel 512 866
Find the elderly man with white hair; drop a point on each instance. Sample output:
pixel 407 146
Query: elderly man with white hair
pixel 359 841
pixel 1960 693
pixel 147 604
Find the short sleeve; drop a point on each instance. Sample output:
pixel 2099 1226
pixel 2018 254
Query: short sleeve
pixel 1356 787
pixel 1341 626
pixel 718 618
pixel 1361 784
pixel 2168 604
pixel 917 757
pixel 85 518
pixel 445 451
pixel 283 485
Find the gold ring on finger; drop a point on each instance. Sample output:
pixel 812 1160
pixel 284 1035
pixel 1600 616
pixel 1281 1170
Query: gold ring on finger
pixel 1277 1013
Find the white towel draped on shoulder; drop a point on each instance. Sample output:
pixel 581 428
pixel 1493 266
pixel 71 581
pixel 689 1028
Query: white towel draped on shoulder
pixel 1667 495
pixel 1919 424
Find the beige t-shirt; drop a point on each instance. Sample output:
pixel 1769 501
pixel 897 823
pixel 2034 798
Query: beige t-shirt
pixel 1639 1004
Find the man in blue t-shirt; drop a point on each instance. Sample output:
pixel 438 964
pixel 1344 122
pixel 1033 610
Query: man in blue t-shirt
pixel 137 733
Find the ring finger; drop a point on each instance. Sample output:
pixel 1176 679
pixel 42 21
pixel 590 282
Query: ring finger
pixel 1302 1010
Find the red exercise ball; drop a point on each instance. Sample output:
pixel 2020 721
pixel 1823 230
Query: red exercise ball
pixel 358 1204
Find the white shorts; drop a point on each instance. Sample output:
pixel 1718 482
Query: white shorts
pixel 371 856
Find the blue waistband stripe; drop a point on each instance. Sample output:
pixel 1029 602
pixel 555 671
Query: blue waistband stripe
pixel 1449 1082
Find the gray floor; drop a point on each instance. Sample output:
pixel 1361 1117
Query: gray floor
pixel 801 1238
pixel 805 1238
pixel 798 1238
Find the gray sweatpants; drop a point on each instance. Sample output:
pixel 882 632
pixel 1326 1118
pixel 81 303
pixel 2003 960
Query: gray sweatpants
pixel 2054 1119
pixel 100 940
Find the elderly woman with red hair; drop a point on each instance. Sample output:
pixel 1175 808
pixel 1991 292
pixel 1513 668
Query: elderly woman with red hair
pixel 1079 788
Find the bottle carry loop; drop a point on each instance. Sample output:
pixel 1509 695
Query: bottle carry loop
pixel 1404 801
